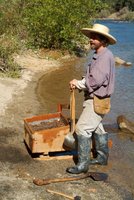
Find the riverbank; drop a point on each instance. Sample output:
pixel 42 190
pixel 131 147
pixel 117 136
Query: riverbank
pixel 18 101
pixel 18 168
pixel 122 15
pixel 32 69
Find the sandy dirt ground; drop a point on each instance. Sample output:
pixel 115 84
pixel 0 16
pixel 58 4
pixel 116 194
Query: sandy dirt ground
pixel 17 168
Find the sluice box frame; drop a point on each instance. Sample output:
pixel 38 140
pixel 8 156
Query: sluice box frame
pixel 47 140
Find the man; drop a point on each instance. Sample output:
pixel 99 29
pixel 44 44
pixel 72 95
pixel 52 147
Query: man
pixel 99 81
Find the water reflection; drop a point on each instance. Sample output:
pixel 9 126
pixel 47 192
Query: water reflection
pixel 53 88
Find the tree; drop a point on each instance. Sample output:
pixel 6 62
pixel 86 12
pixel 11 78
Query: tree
pixel 118 5
pixel 48 23
pixel 57 23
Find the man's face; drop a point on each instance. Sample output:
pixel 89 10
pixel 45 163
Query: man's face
pixel 95 41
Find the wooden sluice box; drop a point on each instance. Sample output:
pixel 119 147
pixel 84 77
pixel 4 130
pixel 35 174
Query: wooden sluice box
pixel 46 133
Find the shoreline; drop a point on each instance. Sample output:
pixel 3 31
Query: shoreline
pixel 18 96
pixel 18 168
pixel 32 67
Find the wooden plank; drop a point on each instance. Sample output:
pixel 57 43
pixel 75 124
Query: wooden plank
pixel 60 155
pixel 45 158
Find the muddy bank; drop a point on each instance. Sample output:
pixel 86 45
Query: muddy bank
pixel 18 168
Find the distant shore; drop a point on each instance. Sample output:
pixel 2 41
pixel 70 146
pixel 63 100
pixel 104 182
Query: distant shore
pixel 124 15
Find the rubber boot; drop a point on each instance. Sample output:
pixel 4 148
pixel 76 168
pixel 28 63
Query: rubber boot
pixel 101 145
pixel 83 156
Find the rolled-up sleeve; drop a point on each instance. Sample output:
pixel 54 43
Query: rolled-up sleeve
pixel 81 84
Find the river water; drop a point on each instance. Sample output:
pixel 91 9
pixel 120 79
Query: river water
pixel 53 88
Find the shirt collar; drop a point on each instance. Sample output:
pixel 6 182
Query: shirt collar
pixel 96 55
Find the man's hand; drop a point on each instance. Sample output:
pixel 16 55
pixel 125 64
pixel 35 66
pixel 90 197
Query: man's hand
pixel 73 84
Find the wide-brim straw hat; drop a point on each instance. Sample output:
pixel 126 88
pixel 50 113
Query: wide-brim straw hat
pixel 99 29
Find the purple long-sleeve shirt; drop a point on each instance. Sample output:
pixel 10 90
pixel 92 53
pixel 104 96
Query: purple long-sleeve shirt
pixel 100 75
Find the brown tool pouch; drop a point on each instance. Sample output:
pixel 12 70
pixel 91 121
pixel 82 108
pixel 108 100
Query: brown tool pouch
pixel 101 105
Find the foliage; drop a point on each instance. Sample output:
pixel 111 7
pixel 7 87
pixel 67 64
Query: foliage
pixel 123 3
pixel 7 48
pixel 130 16
pixel 118 5
pixel 43 24
pixel 11 36
pixel 53 24
pixel 57 23
pixel 11 17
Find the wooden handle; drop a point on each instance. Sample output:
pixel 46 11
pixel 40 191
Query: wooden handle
pixel 40 182
pixel 72 110
pixel 59 193
pixel 97 176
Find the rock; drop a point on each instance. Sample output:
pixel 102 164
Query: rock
pixel 119 61
pixel 124 124
pixel 127 64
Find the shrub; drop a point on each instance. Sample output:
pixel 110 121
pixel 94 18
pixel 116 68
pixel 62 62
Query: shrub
pixel 130 16
pixel 57 23
pixel 52 24
pixel 8 45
